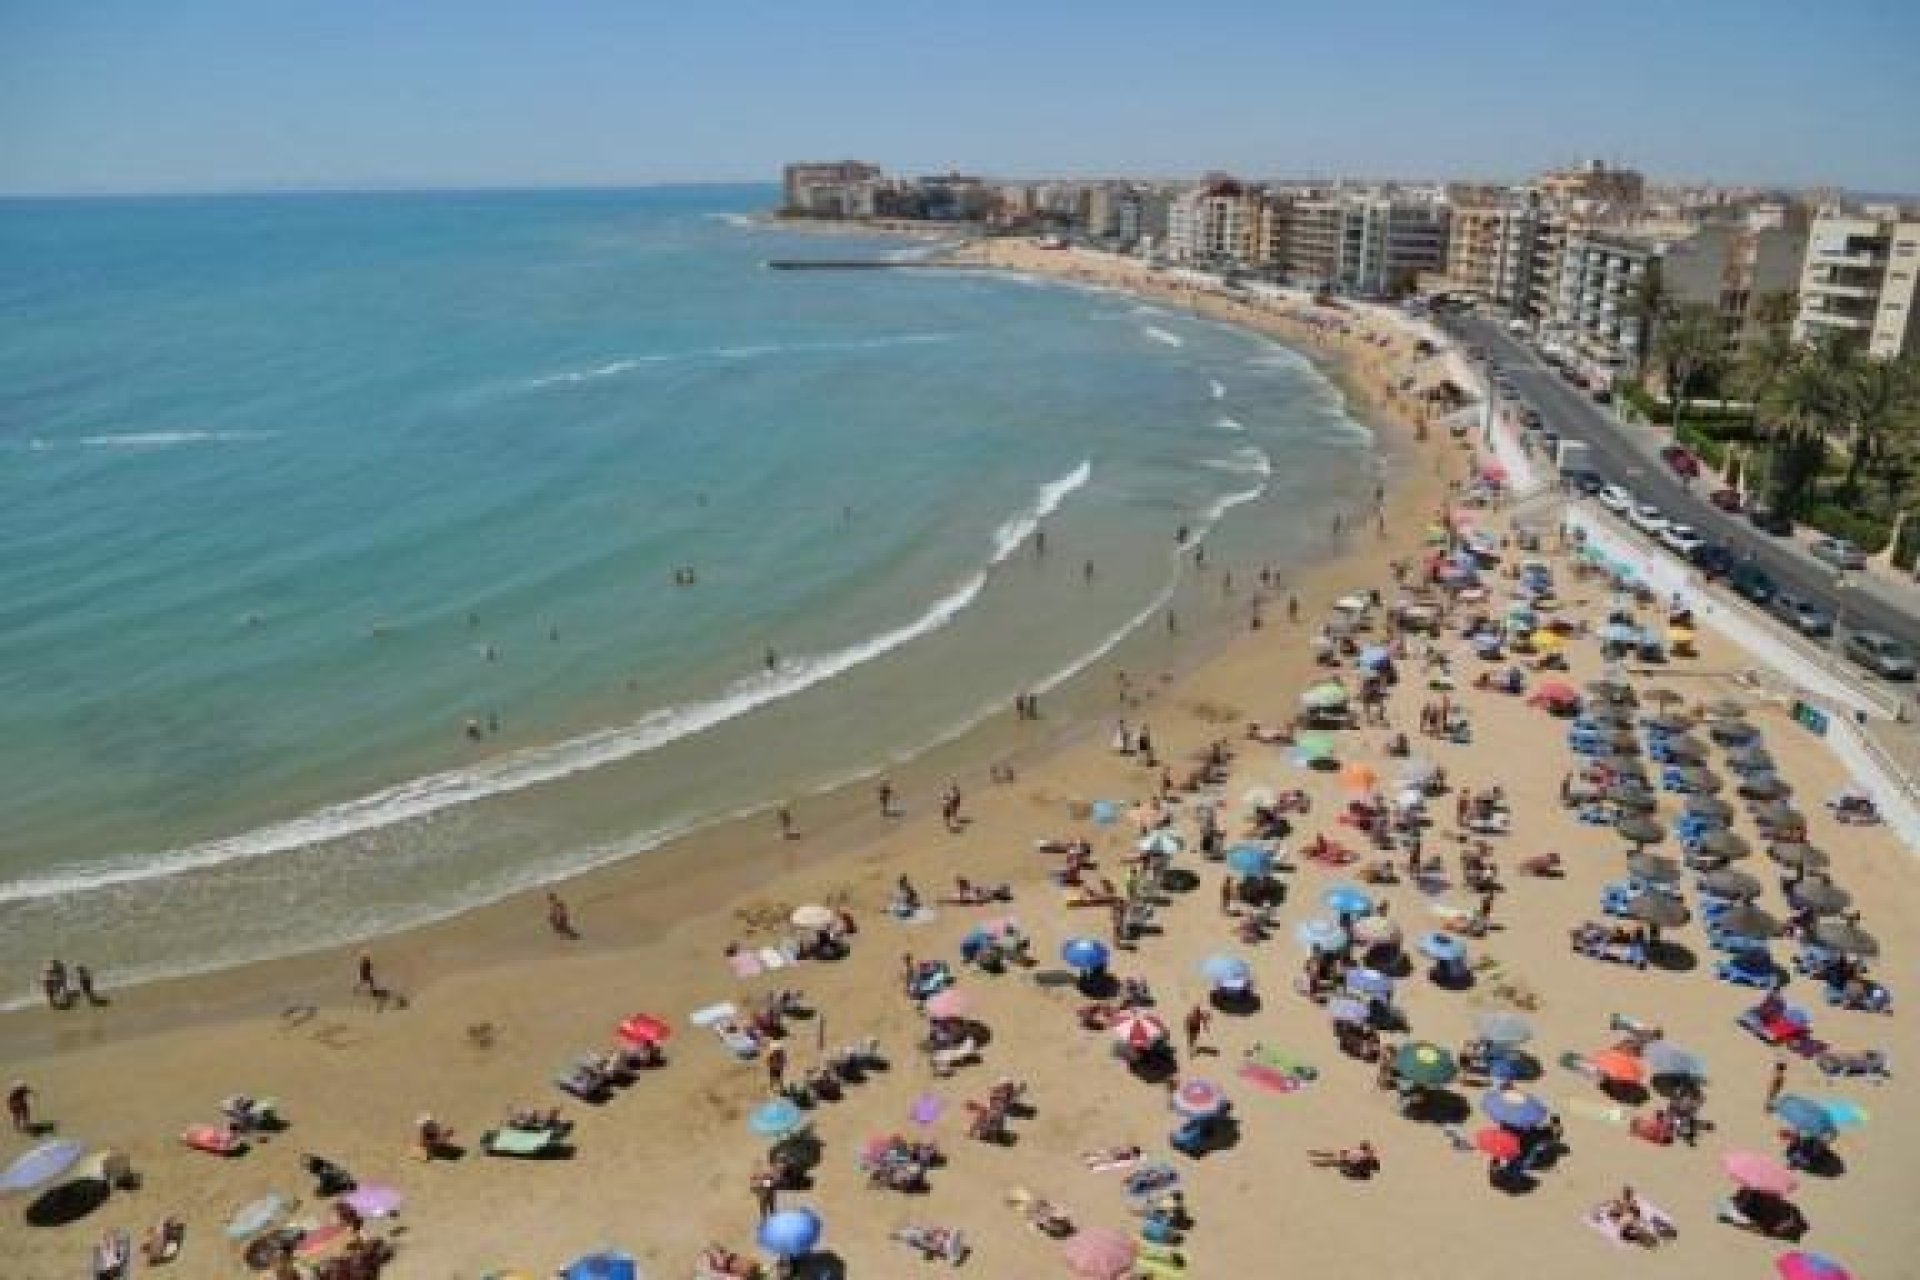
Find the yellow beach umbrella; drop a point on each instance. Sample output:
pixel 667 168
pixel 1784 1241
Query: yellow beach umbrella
pixel 1548 641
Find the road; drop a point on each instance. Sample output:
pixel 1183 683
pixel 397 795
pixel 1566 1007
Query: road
pixel 1619 460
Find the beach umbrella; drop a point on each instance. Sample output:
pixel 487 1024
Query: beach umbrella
pixel 1104 812
pixel 1422 1062
pixel 1685 749
pixel 1347 900
pixel 1347 1009
pixel 1514 1108
pixel 1664 698
pixel 1358 776
pixel 1312 748
pixel 1418 771
pixel 1667 1059
pixel 1822 897
pixel 1653 868
pixel 606 1265
pixel 1748 921
pixel 1666 724
pixel 1249 860
pixel 1640 830
pixel 1547 641
pixel 373 1200
pixel 1223 970
pixel 790 1233
pixel 1700 781
pixel 41 1164
pixel 1376 656
pixel 1757 1172
pixel 1733 733
pixel 951 1003
pixel 252 1218
pixel 1804 1116
pixel 1375 931
pixel 1633 800
pixel 1611 690
pixel 1441 946
pixel 1161 843
pixel 1800 1265
pixel 1845 1113
pixel 1848 939
pixel 1503 1027
pixel 1621 633
pixel 1138 1030
pixel 1751 759
pixel 1721 844
pixel 1099 1253
pixel 1320 934
pixel 1085 954
pixel 776 1118
pixel 1766 786
pixel 1617 1066
pixel 1658 910
pixel 1623 739
pixel 643 1028
pixel 1555 691
pixel 1501 1144
pixel 1330 696
pixel 1726 709
pixel 812 915
pixel 1370 983
pixel 1196 1099
pixel 1795 853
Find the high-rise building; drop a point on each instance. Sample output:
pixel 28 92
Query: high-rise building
pixel 836 189
pixel 1492 246
pixel 1361 242
pixel 1596 295
pixel 1859 281
pixel 1214 224
pixel 1733 268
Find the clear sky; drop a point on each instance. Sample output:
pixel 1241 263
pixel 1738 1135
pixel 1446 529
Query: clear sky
pixel 144 95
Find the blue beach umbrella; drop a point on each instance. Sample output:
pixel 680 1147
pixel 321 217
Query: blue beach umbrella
pixel 1376 656
pixel 1223 970
pixel 1620 633
pixel 1085 953
pixel 608 1264
pixel 1513 1108
pixel 1804 1116
pixel 1249 860
pixel 1845 1113
pixel 1665 1059
pixel 1320 935
pixel 790 1232
pixel 776 1118
pixel 41 1164
pixel 1105 812
pixel 1370 983
pixel 1347 900
pixel 1442 946
pixel 1504 1027
pixel 1163 842
pixel 1347 1009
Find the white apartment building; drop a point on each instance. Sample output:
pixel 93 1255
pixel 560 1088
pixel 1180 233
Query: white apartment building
pixel 1594 301
pixel 1492 248
pixel 1359 242
pixel 1215 224
pixel 1859 282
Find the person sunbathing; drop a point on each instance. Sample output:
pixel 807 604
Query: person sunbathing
pixel 1628 1216
pixel 431 1138
pixel 1358 1161
pixel 162 1243
pixel 1109 1156
pixel 721 1263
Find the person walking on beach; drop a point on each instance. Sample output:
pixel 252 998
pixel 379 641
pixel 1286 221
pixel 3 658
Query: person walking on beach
pixel 766 1192
pixel 365 982
pixel 83 980
pixel 559 919
pixel 1293 608
pixel 784 816
pixel 1775 1084
pixel 950 807
pixel 20 1106
pixel 1199 1019
pixel 885 792
pixel 776 1068
pixel 53 981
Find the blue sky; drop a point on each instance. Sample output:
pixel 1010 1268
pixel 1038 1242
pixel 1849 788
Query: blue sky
pixel 170 95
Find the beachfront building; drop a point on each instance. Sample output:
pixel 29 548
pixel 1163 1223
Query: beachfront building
pixel 1595 190
pixel 1858 282
pixel 836 189
pixel 1215 224
pixel 1734 268
pixel 1125 216
pixel 1368 243
pixel 1595 297
pixel 1493 245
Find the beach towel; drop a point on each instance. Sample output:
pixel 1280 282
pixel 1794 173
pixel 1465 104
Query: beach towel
pixel 1269 1079
pixel 212 1139
pixel 515 1142
pixel 1112 1165
pixel 745 964
pixel 713 1013
pixel 926 1108
pixel 772 958
pixel 1280 1060
pixel 1655 1218
pixel 1588 1109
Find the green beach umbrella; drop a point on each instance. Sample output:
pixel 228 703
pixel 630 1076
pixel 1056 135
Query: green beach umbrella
pixel 1325 697
pixel 1311 748
pixel 1424 1063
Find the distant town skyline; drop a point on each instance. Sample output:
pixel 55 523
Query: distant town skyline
pixel 222 95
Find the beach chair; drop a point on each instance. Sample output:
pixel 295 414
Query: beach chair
pixel 1876 999
pixel 1749 968
pixel 1869 1064
pixel 584 1081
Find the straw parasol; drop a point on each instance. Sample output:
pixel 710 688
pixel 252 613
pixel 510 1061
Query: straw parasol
pixel 1725 845
pixel 1640 830
pixel 1822 897
pixel 1652 867
pixel 1658 910
pixel 1849 939
pixel 1744 920
pixel 1737 885
pixel 1794 853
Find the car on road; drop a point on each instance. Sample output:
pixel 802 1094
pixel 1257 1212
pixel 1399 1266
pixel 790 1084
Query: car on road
pixel 1603 395
pixel 1728 500
pixel 1683 461
pixel 1586 483
pixel 1647 518
pixel 1839 553
pixel 1680 539
pixel 1617 500
pixel 1713 559
pixel 1880 653
pixel 1803 615
pixel 1751 582
pixel 1768 520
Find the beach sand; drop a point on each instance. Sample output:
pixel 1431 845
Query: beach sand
pixel 496 1004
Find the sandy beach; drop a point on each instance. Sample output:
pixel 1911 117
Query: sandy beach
pixel 495 1003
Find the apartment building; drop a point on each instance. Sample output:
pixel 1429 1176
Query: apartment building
pixel 836 189
pixel 1595 189
pixel 1733 268
pixel 1492 246
pixel 1215 224
pixel 1600 277
pixel 1858 282
pixel 1366 243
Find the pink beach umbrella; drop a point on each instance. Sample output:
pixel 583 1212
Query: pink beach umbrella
pixel 951 1003
pixel 1099 1253
pixel 373 1201
pixel 1758 1172
pixel 1139 1030
pixel 1810 1266
pixel 1199 1098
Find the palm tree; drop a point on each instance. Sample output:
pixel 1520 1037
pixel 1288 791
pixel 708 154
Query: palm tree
pixel 1878 396
pixel 1690 342
pixel 1809 398
pixel 1651 304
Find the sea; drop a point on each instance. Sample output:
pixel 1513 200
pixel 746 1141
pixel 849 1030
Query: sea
pixel 368 557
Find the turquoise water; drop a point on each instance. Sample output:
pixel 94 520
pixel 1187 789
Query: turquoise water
pixel 294 490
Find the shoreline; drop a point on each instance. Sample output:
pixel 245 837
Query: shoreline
pixel 492 934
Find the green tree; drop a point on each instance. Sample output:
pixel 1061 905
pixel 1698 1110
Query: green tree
pixel 1690 343
pixel 1879 397
pixel 1651 304
pixel 1808 400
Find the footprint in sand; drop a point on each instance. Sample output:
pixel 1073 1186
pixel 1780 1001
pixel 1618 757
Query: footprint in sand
pixel 336 1035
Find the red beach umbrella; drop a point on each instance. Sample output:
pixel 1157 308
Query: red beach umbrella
pixel 951 1003
pixel 1758 1172
pixel 1618 1066
pixel 1099 1253
pixel 643 1028
pixel 1501 1144
pixel 1139 1030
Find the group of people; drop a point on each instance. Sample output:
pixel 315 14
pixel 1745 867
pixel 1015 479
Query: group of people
pixel 65 987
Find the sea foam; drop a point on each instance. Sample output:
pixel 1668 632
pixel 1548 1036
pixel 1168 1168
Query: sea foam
pixel 1008 537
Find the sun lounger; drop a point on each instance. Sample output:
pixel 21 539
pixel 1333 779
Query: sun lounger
pixel 739 1042
pixel 521 1143
pixel 213 1139
pixel 714 1013
pixel 936 1244
pixel 1872 1064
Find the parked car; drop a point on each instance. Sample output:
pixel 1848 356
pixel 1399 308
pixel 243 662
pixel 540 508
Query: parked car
pixel 1803 615
pixel 1603 395
pixel 1881 654
pixel 1586 483
pixel 1713 559
pixel 1767 520
pixel 1751 582
pixel 1728 500
pixel 1839 553
pixel 1617 500
pixel 1647 519
pixel 1683 461
pixel 1680 539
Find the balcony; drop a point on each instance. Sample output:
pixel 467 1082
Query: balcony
pixel 1870 259
pixel 1836 320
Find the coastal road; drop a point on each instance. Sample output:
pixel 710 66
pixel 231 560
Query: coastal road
pixel 1623 461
